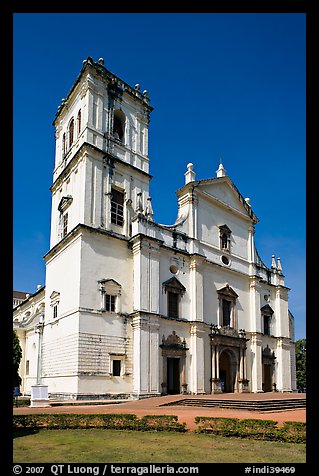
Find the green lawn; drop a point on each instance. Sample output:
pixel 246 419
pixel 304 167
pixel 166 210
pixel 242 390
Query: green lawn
pixel 118 446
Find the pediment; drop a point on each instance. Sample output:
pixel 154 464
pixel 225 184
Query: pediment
pixel 267 309
pixel 227 291
pixel 54 295
pixel 225 192
pixel 65 202
pixel 110 286
pixel 174 285
pixel 224 229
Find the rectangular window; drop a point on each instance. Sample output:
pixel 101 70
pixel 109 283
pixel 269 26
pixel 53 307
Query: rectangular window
pixel 266 325
pixel 226 312
pixel 117 207
pixel 109 303
pixel 55 312
pixel 27 367
pixel 172 304
pixel 65 225
pixel 116 371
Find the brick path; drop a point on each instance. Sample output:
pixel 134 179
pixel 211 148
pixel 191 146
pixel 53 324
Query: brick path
pixel 153 406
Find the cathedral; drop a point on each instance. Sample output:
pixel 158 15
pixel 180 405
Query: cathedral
pixel 132 308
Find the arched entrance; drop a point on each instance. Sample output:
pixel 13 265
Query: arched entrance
pixel 227 372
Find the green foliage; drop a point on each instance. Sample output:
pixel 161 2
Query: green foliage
pixel 21 402
pixel 17 356
pixel 161 423
pixel 108 421
pixel 301 348
pixel 293 432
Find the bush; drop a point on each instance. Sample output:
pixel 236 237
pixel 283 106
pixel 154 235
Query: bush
pixel 107 421
pixel 292 432
pixel 161 423
pixel 21 402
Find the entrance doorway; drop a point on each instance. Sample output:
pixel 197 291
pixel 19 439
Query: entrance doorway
pixel 173 375
pixel 267 378
pixel 226 373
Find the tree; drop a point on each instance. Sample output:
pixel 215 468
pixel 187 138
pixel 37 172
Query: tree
pixel 17 356
pixel 300 346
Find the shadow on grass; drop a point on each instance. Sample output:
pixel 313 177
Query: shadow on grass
pixel 18 432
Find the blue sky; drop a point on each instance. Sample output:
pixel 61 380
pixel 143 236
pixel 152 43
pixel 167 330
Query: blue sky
pixel 222 85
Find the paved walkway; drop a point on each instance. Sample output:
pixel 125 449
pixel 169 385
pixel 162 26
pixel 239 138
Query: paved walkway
pixel 154 406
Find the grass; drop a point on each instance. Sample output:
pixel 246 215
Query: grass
pixel 119 446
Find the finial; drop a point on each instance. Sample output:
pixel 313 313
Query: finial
pixel 101 60
pixel 139 208
pixel 190 174
pixel 137 87
pixel 273 262
pixel 149 209
pixel 279 267
pixel 221 172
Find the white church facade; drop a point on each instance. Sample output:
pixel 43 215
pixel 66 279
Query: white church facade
pixel 132 308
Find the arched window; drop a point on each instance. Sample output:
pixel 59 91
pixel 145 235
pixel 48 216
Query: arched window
pixel 119 125
pixel 267 315
pixel 224 237
pixel 79 122
pixel 71 132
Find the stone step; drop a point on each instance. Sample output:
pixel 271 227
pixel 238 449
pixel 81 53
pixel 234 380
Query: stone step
pixel 265 405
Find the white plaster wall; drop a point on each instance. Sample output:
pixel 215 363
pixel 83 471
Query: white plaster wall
pixel 63 276
pixel 105 257
pixel 210 217
pixel 74 186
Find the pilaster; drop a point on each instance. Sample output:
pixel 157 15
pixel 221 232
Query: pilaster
pixel 255 315
pixel 196 290
pixel 197 334
pixel 145 355
pixel 256 363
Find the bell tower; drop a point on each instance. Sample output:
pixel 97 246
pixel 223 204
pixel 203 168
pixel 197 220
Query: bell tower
pixel 101 174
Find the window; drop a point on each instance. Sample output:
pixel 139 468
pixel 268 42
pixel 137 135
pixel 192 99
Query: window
pixel 267 314
pixel 117 207
pixel 118 125
pixel 226 306
pixel 266 325
pixel 64 144
pixel 226 312
pixel 172 304
pixel 224 237
pixel 116 368
pixel 65 225
pixel 110 303
pixel 174 290
pixel 27 367
pixel 71 132
pixel 110 295
pixel 79 122
pixel 55 311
